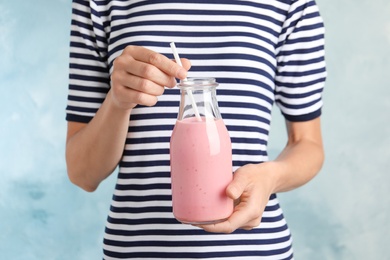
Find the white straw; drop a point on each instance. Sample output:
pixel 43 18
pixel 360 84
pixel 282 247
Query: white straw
pixel 178 61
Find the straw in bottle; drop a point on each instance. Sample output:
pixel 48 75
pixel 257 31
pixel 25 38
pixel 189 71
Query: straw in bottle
pixel 193 103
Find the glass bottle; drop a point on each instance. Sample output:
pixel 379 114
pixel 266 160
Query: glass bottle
pixel 201 156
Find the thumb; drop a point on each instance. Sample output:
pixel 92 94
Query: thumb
pixel 235 189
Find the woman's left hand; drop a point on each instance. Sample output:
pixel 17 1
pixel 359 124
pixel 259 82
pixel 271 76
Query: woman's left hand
pixel 251 188
pixel 253 184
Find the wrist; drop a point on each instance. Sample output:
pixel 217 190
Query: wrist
pixel 115 107
pixel 275 171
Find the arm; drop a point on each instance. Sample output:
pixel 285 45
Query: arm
pixel 253 184
pixel 93 150
pixel 303 156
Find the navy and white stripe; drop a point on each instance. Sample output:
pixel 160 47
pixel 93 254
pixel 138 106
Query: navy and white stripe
pixel 261 52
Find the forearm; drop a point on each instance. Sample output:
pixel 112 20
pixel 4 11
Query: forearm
pixel 297 164
pixel 93 153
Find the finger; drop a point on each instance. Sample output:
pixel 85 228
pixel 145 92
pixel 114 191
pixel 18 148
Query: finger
pixel 238 219
pixel 252 224
pixel 158 60
pixel 238 185
pixel 139 98
pixel 144 86
pixel 128 97
pixel 144 99
pixel 141 69
pixel 120 78
pixel 222 227
pixel 186 63
pixel 247 214
pixel 151 73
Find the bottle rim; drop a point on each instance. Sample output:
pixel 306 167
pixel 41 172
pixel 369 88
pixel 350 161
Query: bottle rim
pixel 197 82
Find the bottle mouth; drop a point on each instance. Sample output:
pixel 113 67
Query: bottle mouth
pixel 197 82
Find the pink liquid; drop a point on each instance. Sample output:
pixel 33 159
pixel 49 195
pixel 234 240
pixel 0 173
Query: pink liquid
pixel 201 169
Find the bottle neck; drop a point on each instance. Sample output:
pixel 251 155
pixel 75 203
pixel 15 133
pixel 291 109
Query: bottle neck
pixel 198 100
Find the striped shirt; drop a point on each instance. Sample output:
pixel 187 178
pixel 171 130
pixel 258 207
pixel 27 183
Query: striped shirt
pixel 260 51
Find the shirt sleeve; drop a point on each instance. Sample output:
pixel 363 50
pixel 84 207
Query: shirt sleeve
pixel 88 68
pixel 301 69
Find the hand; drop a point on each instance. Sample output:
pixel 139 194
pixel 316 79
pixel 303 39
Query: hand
pixel 251 188
pixel 139 76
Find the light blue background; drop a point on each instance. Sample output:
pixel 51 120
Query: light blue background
pixel 343 214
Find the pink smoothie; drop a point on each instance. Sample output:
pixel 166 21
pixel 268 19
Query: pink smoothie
pixel 201 169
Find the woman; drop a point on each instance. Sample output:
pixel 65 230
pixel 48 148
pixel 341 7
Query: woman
pixel 122 107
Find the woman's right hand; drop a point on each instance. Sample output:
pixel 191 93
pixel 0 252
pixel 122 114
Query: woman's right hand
pixel 139 76
pixel 93 150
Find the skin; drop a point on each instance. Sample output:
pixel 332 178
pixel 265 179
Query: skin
pixel 252 185
pixel 94 150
